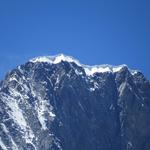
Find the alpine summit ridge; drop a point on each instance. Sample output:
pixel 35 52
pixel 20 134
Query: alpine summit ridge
pixel 57 103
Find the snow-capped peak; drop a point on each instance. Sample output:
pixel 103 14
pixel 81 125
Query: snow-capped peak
pixel 55 59
pixel 89 70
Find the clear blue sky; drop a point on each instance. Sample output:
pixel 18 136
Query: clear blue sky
pixel 93 31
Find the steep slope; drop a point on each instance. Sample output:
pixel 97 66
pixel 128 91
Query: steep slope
pixel 56 103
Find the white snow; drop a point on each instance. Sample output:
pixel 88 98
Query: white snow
pixel 111 107
pixel 89 70
pixel 92 89
pixel 62 57
pixel 42 108
pixel 118 68
pixel 129 145
pixel 54 59
pixel 4 128
pixel 133 72
pixel 77 72
pixel 121 88
pixel 16 114
pixel 42 59
pixel 14 146
pixel 96 85
pixel 2 144
pixel 13 79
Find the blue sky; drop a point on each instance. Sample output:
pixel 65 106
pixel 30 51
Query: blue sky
pixel 93 31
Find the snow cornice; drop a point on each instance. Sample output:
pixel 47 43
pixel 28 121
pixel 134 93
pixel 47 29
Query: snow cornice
pixel 89 70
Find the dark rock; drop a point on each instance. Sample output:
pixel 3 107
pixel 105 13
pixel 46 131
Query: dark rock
pixel 54 106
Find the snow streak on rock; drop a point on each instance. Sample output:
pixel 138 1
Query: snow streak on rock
pixel 57 103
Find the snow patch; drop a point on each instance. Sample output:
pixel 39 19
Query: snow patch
pixel 117 69
pixel 13 79
pixel 42 108
pixel 92 89
pixel 18 117
pixel 111 107
pixel 16 114
pixel 54 59
pixel 129 145
pixel 121 88
pixel 14 146
pixel 134 72
pixel 2 145
pixel 89 70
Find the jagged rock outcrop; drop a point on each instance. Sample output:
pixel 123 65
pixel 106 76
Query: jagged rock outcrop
pixel 56 103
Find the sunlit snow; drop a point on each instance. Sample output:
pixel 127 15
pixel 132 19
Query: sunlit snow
pixel 89 70
pixel 2 144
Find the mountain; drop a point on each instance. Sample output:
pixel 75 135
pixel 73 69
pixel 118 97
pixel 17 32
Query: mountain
pixel 56 103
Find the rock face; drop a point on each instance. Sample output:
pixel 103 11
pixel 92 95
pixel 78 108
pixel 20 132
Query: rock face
pixel 56 103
